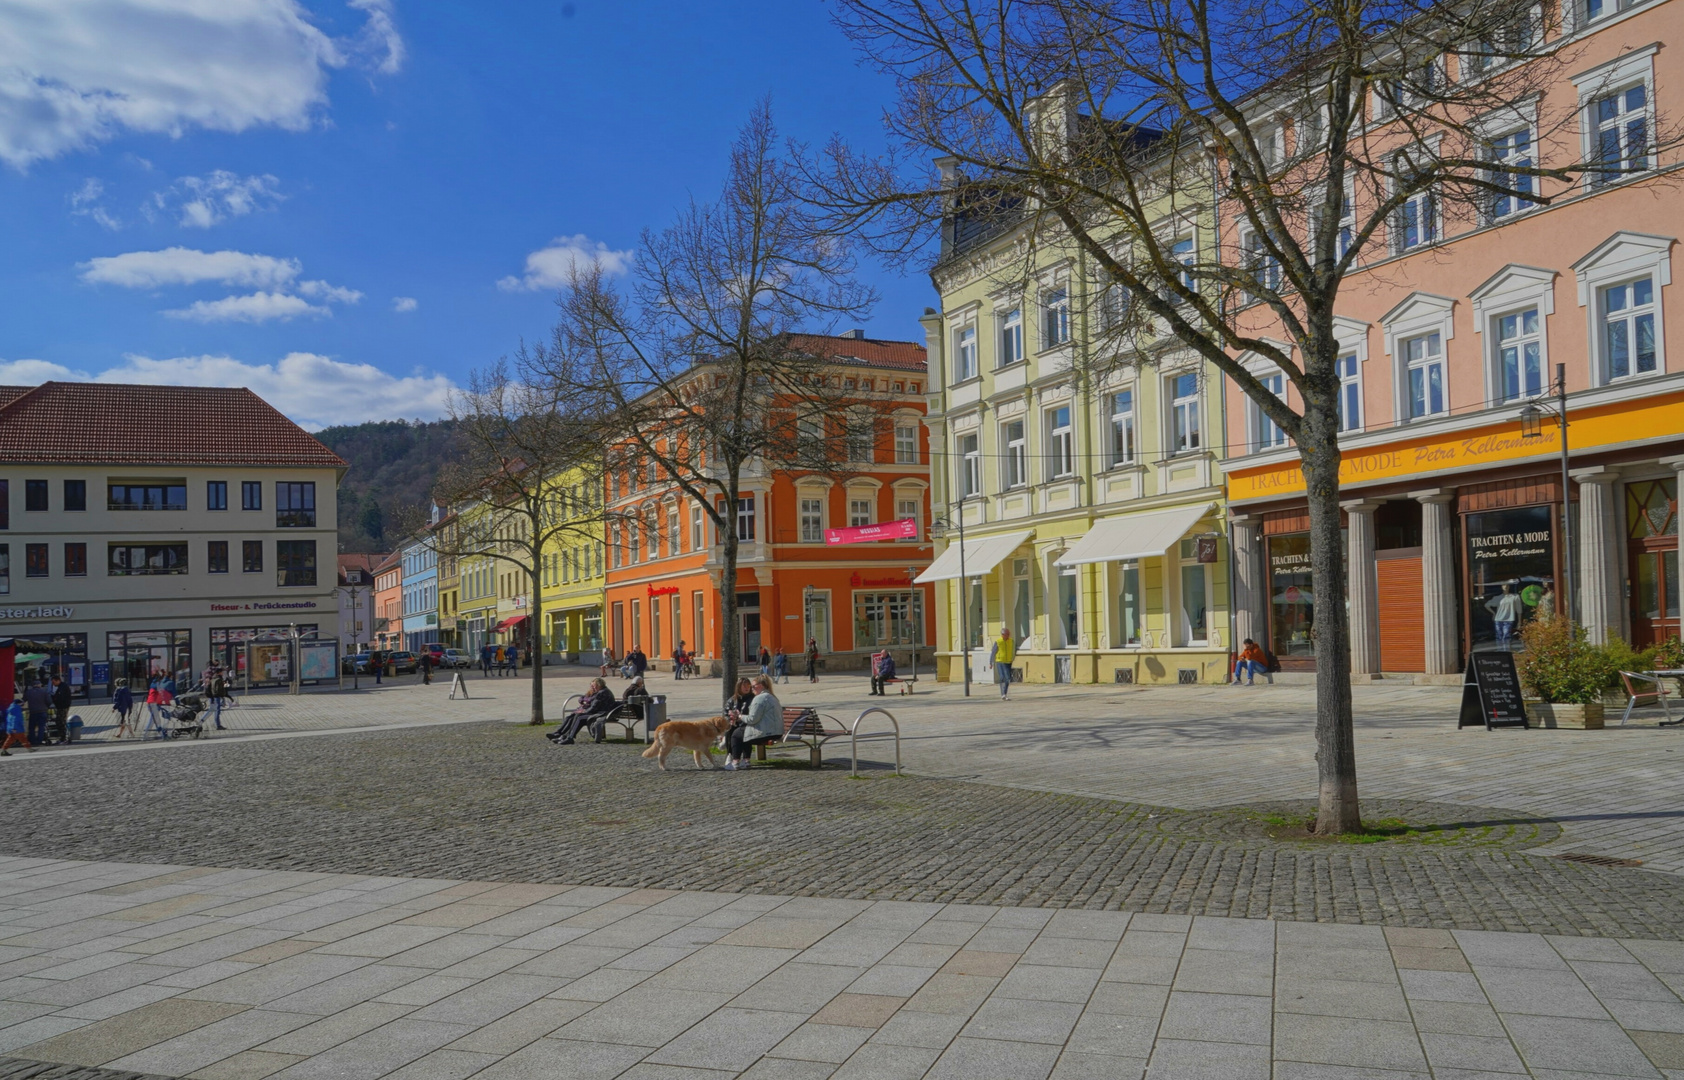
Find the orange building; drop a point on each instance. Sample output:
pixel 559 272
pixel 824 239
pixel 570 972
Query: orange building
pixel 388 602
pixel 663 586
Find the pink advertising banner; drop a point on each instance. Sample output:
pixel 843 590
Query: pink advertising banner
pixel 904 529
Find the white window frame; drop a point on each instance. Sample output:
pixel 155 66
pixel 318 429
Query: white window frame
pixel 1265 434
pixel 1184 251
pixel 1184 414
pixel 1420 313
pixel 1124 422
pixel 1014 454
pixel 970 464
pixel 697 534
pixel 1505 207
pixel 909 503
pixel 1261 265
pixel 1628 316
pixel 673 537
pixel 746 518
pixel 1433 356
pixel 1055 315
pixel 1625 71
pixel 1512 289
pixel 1184 625
pixel 1061 441
pixel 965 352
pixel 1624 256
pixel 1009 339
pixel 1498 345
pixel 861 437
pixel 906 442
pixel 1422 201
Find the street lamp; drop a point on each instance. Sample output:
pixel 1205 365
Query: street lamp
pixel 356 631
pixel 1531 427
pixel 918 623
pixel 938 529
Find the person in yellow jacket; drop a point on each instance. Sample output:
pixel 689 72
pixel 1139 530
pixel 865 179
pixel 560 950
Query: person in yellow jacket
pixel 1000 656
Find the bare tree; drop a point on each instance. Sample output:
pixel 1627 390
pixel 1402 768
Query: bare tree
pixel 529 476
pixel 703 365
pixel 1319 131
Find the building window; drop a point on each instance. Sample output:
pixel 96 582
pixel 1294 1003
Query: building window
pixel 812 521
pixel 1055 316
pixel 1061 461
pixel 907 510
pixel 295 505
pixel 1067 617
pixel 1195 596
pixel 5 569
pixel 216 495
pixel 745 517
pixel 1122 428
pixel 859 512
pixel 76 560
pixel 1184 413
pixel 1416 222
pixel 76 495
pixel 1269 433
pixel 1350 393
pixel 35 496
pixel 964 354
pixel 1520 355
pixel 251 495
pixel 1628 328
pixel 888 618
pixel 1619 135
pixel 1129 612
pixel 1022 614
pixel 5 504
pixel 1181 256
pixel 970 466
pixel 137 560
pixel 147 495
pixel 1595 9
pixel 1264 268
pixel 251 556
pixel 1014 450
pixel 672 529
pixel 862 436
pixel 906 444
pixel 1423 359
pixel 695 527
pixel 35 560
pixel 1113 306
pixel 295 564
pixel 1509 153
pixel 1011 337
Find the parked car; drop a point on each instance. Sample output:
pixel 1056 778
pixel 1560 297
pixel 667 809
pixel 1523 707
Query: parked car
pixel 360 663
pixel 456 658
pixel 436 649
pixel 403 662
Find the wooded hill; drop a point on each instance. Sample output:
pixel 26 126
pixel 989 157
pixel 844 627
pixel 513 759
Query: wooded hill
pixel 394 464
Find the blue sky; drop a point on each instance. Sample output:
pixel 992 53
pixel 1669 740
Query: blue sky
pixel 349 204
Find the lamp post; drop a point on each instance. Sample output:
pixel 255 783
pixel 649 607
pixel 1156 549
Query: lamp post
pixel 1531 421
pixel 918 623
pixel 938 529
pixel 356 631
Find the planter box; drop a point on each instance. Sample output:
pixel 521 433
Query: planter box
pixel 1582 717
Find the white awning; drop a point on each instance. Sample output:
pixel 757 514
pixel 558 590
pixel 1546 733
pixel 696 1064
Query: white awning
pixel 981 556
pixel 1134 536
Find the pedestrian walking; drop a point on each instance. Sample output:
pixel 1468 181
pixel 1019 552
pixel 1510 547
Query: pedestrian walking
pixel 780 665
pixel 379 666
pixel 61 709
pixel 425 665
pixel 154 697
pixel 216 688
pixel 765 661
pixel 812 659
pixel 16 730
pixel 122 702
pixel 38 703
pixel 1000 655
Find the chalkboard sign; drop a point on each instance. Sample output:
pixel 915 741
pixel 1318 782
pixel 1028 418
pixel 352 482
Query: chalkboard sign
pixel 1491 692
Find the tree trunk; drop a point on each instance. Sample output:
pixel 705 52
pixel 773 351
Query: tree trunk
pixel 730 636
pixel 533 622
pixel 1336 761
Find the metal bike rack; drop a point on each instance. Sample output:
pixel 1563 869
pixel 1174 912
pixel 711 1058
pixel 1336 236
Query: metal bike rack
pixel 854 738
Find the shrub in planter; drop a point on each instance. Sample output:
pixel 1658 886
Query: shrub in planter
pixel 1669 654
pixel 1560 667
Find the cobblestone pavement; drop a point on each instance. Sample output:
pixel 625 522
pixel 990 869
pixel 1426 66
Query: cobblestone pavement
pixel 497 802
pixel 119 971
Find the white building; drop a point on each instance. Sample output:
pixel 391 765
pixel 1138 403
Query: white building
pixel 151 529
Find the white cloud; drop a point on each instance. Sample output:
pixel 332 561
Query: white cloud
pixel 78 73
pixel 548 267
pixel 403 305
pixel 321 290
pixel 317 391
pixel 253 308
pixel 85 202
pixel 202 201
pixel 185 266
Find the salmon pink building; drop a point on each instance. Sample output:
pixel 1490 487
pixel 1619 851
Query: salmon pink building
pixel 663 581
pixel 1451 336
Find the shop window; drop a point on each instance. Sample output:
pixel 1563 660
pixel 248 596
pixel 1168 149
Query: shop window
pixel 964 353
pixel 1423 358
pixel 1122 428
pixel 295 505
pixel 1184 413
pixel 35 562
pixel 1350 392
pixel 970 466
pixel 1061 460
pixel 887 618
pixel 974 608
pixel 147 495
pixel 1130 614
pixel 1067 617
pixel 1269 433
pixel 216 494
pixel 1011 337
pixel 141 560
pixel 251 495
pixel 1628 328
pixel 1520 360
pixel 1511 572
pixel 1014 451
pixel 1022 613
pixel 1195 595
pixel 1055 316
pixel 76 560
pixel 34 496
pixel 1619 141
pixel 906 444
pixel 251 556
pixel 76 496
pixel 1652 551
pixel 1291 615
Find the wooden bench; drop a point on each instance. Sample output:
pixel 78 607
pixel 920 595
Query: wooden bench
pixel 906 685
pixel 626 716
pixel 806 726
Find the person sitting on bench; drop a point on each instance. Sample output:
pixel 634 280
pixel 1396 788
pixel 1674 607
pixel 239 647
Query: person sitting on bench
pixel 597 703
pixel 882 671
pixel 763 723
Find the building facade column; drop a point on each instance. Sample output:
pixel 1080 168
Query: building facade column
pixel 1599 596
pixel 1438 581
pixel 1364 586
pixel 1250 581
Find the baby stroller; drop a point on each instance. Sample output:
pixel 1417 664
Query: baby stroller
pixel 183 718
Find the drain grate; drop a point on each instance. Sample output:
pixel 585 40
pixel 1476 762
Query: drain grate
pixel 1598 860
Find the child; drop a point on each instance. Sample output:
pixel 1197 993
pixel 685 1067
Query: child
pixel 15 729
pixel 123 702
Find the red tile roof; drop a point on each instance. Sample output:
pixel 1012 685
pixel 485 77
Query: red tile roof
pixel 112 423
pixel 872 351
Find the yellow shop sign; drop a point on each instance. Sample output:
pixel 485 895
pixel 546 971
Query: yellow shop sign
pixel 1588 429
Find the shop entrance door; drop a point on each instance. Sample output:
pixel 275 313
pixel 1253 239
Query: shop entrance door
pixel 1652 554
pixel 751 635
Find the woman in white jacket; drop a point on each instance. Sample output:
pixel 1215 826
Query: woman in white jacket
pixel 764 723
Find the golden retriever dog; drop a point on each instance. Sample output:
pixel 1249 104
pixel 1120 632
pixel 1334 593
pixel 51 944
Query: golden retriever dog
pixel 692 735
